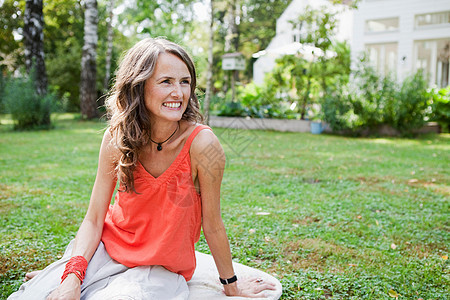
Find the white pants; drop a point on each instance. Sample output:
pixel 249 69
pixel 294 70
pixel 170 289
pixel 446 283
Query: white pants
pixel 108 279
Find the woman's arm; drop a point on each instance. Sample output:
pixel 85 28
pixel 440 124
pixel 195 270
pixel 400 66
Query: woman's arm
pixel 90 231
pixel 208 157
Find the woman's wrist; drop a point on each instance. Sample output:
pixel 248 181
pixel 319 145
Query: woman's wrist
pixel 72 280
pixel 231 289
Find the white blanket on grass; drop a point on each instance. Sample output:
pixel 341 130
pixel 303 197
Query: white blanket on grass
pixel 205 282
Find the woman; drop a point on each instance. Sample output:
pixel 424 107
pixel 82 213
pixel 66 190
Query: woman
pixel 142 247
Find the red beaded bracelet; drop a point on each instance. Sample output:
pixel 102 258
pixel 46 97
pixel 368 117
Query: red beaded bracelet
pixel 76 265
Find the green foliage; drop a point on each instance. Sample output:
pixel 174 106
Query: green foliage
pixel 63 42
pixel 373 96
pixel 372 100
pixel 337 109
pixel 28 109
pixel 320 27
pixel 257 27
pixel 306 76
pixel 441 107
pixel 410 105
pixel 171 19
pixel 233 109
pixel 255 30
pixel 293 88
pixel 259 102
pixel 2 91
pixel 11 21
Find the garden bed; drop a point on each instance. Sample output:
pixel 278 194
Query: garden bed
pixel 286 125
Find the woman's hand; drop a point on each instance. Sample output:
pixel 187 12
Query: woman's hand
pixel 69 289
pixel 249 287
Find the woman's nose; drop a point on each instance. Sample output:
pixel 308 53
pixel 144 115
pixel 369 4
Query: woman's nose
pixel 177 92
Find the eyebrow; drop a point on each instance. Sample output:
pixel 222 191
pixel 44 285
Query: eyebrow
pixel 170 77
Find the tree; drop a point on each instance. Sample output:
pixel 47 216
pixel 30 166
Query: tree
pixel 171 19
pixel 88 91
pixel 306 78
pixel 257 24
pixel 232 37
pixel 63 44
pixel 109 45
pixel 248 28
pixel 34 44
pixel 209 83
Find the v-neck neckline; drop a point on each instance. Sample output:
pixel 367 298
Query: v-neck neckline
pixel 173 165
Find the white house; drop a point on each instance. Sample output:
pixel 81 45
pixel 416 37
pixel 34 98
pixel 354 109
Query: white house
pixel 400 36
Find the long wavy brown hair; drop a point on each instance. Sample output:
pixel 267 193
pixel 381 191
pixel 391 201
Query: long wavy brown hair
pixel 129 121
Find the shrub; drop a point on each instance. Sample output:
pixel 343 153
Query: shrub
pixel 2 90
pixel 337 110
pixel 258 102
pixel 410 106
pixel 27 108
pixel 440 107
pixel 233 109
pixel 372 100
pixel 373 96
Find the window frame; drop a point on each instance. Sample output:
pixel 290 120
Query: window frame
pixel 366 25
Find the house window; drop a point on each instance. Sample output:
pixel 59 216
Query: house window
pixel 433 58
pixel 382 25
pixel 383 57
pixel 439 18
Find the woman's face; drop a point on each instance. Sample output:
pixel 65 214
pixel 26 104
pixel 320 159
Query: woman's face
pixel 168 90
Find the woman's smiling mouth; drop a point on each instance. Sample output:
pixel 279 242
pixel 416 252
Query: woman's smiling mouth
pixel 172 104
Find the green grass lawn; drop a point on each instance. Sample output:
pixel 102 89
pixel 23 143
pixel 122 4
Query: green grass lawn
pixel 331 217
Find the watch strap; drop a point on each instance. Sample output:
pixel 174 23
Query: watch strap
pixel 229 280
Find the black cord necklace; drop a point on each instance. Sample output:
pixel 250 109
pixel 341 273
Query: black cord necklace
pixel 159 147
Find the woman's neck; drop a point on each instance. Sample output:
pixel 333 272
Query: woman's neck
pixel 160 131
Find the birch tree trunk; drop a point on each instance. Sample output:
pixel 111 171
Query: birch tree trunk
pixel 88 91
pixel 209 81
pixel 33 33
pixel 232 41
pixel 230 38
pixel 109 46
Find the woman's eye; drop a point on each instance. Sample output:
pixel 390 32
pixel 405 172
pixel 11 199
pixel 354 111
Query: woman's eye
pixel 185 82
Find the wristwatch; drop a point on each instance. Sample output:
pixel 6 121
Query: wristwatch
pixel 228 281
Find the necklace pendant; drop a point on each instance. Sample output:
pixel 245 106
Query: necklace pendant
pixel 159 147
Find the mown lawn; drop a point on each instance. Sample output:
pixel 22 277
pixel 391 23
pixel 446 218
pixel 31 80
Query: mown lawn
pixel 331 217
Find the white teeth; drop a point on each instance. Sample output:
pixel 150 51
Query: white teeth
pixel 172 104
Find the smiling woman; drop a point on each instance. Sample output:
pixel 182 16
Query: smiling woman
pixel 158 150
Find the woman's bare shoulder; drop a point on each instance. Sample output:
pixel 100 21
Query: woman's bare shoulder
pixel 206 145
pixel 109 145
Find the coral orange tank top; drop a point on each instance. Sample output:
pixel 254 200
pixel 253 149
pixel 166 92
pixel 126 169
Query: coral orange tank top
pixel 159 224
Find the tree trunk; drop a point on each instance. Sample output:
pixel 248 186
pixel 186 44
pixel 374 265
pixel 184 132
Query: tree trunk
pixel 230 40
pixel 109 46
pixel 34 44
pixel 305 99
pixel 209 75
pixel 88 91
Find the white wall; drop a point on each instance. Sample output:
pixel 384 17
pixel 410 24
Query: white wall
pixel 405 35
